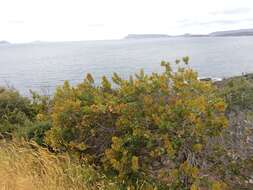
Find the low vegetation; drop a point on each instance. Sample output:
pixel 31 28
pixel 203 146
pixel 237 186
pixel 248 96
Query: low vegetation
pixel 166 130
pixel 25 166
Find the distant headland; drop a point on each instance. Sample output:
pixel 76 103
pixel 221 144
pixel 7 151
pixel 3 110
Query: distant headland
pixel 140 36
pixel 241 32
pixel 4 42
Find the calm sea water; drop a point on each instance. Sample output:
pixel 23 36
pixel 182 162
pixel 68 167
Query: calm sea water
pixel 46 65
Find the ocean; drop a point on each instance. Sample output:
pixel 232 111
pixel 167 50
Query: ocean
pixel 43 66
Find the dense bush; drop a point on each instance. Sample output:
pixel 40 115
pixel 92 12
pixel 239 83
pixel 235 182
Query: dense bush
pixel 34 131
pixel 15 110
pixel 238 92
pixel 238 138
pixel 150 127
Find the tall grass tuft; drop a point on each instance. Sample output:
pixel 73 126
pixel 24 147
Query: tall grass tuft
pixel 29 167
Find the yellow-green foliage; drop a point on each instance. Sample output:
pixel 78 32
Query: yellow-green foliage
pixel 149 127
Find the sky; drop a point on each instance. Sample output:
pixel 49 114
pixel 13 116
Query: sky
pixel 74 20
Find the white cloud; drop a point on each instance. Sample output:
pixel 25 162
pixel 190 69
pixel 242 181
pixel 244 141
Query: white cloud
pixel 60 20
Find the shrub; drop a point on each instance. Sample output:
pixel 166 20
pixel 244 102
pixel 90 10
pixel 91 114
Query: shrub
pixel 238 92
pixel 152 128
pixel 236 164
pixel 15 110
pixel 34 131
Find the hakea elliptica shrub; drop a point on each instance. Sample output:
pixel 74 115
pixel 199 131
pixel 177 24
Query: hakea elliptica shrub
pixel 154 127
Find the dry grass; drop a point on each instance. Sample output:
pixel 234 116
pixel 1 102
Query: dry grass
pixel 26 168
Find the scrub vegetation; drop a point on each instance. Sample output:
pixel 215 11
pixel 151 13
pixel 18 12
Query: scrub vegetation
pixel 165 130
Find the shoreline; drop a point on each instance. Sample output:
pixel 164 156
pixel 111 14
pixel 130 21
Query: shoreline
pixel 50 90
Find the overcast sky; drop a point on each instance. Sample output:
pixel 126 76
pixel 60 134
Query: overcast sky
pixel 71 20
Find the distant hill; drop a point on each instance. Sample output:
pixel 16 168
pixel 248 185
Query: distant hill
pixel 142 36
pixel 242 32
pixel 4 42
pixel 192 35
